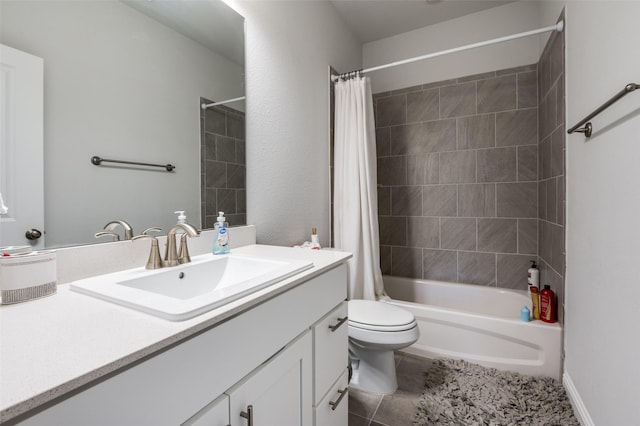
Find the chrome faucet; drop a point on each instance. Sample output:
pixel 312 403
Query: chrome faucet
pixel 173 258
pixel 128 231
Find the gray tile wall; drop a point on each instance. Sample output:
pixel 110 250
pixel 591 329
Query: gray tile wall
pixel 458 178
pixel 222 165
pixel 551 151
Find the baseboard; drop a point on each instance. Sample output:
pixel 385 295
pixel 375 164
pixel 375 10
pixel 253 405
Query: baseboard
pixel 579 409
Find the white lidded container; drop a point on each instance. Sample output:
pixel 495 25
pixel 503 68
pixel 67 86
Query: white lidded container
pixel 27 276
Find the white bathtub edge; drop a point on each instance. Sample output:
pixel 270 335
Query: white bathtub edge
pixel 579 408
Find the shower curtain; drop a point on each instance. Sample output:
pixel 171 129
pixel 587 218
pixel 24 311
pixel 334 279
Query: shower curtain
pixel 355 204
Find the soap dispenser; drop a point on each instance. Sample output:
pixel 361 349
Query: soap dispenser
pixel 182 219
pixel 221 239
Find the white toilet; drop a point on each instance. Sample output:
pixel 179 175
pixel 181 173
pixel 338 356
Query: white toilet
pixel 376 329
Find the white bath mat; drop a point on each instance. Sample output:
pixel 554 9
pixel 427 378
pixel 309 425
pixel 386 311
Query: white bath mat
pixel 460 393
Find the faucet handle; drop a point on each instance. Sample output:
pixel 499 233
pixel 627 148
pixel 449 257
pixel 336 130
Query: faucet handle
pixel 152 229
pixel 114 236
pixel 155 260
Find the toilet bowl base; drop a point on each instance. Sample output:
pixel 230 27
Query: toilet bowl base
pixel 373 371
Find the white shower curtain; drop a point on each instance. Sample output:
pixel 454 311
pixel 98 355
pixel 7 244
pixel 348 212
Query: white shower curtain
pixel 355 204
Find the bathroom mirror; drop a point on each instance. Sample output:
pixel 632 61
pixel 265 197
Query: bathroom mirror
pixel 125 80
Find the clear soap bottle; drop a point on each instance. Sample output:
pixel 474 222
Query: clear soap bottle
pixel 221 240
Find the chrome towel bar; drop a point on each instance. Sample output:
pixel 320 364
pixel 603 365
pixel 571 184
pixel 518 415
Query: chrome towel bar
pixel 588 127
pixel 95 160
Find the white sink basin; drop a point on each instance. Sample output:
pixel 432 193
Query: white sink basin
pixel 185 291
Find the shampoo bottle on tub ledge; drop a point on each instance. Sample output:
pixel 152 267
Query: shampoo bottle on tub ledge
pixel 547 305
pixel 221 239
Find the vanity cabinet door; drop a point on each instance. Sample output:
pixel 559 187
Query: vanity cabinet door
pixel 278 392
pixel 215 413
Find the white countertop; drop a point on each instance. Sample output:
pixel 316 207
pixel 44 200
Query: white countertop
pixel 54 345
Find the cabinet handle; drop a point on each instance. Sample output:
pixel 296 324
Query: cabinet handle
pixel 334 404
pixel 248 415
pixel 340 322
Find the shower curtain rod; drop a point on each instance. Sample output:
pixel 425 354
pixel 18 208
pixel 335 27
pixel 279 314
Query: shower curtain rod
pixel 228 101
pixel 559 27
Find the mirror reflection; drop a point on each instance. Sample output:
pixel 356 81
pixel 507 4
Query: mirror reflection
pixel 125 80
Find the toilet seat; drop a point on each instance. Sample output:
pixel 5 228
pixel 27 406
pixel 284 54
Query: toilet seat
pixel 382 328
pixel 378 316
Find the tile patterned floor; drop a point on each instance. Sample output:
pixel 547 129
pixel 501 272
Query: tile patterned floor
pixel 398 409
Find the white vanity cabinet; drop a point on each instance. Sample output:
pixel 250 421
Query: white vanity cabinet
pixel 269 357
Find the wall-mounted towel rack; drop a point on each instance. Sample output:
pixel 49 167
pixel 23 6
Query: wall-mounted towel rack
pixel 588 127
pixel 98 161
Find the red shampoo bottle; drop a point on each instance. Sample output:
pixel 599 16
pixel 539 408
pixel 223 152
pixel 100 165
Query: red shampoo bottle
pixel 547 305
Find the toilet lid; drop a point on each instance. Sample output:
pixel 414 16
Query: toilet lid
pixel 381 316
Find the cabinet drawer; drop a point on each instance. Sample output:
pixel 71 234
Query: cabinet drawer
pixel 333 410
pixel 330 351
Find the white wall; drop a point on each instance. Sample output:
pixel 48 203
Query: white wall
pixel 489 24
pixel 151 114
pixel 603 255
pixel 289 48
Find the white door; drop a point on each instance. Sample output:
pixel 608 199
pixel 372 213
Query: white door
pixel 278 392
pixel 21 148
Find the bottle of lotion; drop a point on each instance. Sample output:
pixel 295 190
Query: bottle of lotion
pixel 533 276
pixel 547 305
pixel 221 240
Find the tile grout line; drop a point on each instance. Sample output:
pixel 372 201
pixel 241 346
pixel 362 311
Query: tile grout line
pixel 376 410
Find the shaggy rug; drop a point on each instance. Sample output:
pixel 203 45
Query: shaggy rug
pixel 459 393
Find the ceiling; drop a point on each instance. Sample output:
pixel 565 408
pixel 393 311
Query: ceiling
pixel 194 19
pixel 372 20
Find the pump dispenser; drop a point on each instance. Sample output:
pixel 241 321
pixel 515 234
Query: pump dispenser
pixel 221 240
pixel 533 276
pixel 182 218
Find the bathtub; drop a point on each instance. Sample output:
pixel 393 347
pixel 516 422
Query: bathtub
pixel 478 324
